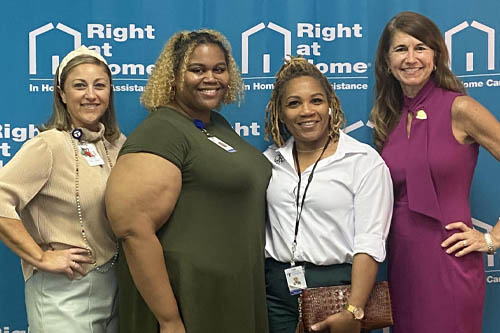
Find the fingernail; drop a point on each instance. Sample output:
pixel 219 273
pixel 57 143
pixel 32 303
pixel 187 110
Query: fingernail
pixel 313 327
pixel 442 244
pixel 448 251
pixel 447 227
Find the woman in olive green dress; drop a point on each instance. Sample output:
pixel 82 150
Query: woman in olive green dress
pixel 187 200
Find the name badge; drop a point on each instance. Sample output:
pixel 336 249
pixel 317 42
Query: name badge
pixel 89 152
pixel 296 279
pixel 221 144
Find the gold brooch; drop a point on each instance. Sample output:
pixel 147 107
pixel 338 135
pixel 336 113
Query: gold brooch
pixel 421 114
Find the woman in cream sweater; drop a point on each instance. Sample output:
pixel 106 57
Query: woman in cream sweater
pixel 51 204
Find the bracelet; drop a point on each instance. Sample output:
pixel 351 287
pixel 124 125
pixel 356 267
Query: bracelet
pixel 489 243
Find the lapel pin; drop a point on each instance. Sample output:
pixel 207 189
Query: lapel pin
pixel 77 134
pixel 278 159
pixel 421 114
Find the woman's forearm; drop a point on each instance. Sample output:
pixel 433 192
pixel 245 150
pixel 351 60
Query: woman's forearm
pixel 146 262
pixel 15 236
pixel 364 273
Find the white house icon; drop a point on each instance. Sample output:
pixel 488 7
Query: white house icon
pixel 469 60
pixel 287 40
pixel 77 41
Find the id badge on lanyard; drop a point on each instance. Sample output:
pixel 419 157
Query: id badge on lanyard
pixel 296 279
pixel 295 275
pixel 221 144
pixel 201 126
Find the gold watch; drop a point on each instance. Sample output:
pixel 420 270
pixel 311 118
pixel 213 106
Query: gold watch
pixel 356 311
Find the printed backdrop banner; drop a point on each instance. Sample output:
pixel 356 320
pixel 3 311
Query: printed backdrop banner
pixel 339 37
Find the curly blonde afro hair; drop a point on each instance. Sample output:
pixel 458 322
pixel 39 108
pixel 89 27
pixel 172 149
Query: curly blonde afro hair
pixel 171 64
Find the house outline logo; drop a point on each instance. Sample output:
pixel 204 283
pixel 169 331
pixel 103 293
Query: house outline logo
pixel 469 56
pixel 266 58
pixel 33 35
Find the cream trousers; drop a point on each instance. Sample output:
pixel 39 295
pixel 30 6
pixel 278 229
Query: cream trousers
pixel 56 304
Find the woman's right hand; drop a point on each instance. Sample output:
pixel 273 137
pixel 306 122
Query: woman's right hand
pixel 68 261
pixel 341 322
pixel 172 326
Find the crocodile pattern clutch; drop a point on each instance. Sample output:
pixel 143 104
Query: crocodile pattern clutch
pixel 316 304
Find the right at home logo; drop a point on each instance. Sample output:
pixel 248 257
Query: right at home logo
pixel 50 42
pixel 471 47
pixel 33 36
pixel 469 56
pixel 266 57
pixel 264 47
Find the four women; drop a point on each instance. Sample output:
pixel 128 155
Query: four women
pixel 329 200
pixel 429 133
pixel 186 197
pixel 52 204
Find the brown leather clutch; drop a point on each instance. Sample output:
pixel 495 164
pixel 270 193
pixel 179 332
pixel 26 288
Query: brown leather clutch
pixel 316 304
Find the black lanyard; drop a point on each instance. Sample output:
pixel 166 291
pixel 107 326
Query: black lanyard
pixel 297 197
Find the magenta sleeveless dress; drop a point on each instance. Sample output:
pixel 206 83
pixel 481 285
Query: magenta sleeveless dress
pixel 431 290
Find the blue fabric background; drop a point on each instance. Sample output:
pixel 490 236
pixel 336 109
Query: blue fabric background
pixel 341 36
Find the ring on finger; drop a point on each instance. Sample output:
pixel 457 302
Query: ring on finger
pixel 464 243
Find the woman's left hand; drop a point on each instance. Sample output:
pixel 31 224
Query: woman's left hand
pixel 342 322
pixel 464 242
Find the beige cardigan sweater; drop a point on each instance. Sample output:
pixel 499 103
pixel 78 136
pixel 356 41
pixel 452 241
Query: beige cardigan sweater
pixel 38 187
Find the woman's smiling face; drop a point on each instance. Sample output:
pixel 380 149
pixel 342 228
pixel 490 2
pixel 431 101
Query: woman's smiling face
pixel 86 93
pixel 304 111
pixel 205 80
pixel 411 62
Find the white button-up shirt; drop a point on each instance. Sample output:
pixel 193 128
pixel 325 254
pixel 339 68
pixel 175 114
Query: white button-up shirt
pixel 347 209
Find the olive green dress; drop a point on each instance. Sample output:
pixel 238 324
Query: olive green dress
pixel 213 242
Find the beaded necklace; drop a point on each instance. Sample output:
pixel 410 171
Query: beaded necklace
pixel 74 136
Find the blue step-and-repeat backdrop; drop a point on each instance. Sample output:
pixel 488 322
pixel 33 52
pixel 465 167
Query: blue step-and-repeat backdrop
pixel 340 37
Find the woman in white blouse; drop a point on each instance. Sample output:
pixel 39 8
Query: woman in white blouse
pixel 329 201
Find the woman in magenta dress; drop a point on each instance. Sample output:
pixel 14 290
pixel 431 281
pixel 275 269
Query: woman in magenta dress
pixel 429 133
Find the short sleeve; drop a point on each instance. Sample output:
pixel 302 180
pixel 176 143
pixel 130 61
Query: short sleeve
pixel 24 176
pixel 158 135
pixel 373 203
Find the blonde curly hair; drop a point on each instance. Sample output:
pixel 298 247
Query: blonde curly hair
pixel 291 69
pixel 172 62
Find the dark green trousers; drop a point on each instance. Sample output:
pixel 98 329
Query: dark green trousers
pixel 282 308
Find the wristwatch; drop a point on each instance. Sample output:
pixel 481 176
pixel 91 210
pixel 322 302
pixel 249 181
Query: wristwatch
pixel 356 311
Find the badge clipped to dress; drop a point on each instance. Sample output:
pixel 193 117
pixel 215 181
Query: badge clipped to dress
pixel 89 152
pixel 221 144
pixel 295 279
pixel 201 125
